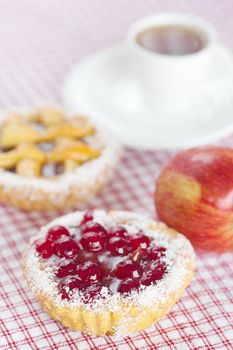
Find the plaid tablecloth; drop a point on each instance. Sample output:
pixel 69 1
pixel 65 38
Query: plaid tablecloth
pixel 39 41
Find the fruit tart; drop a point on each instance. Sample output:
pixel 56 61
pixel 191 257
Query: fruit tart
pixel 51 160
pixel 112 272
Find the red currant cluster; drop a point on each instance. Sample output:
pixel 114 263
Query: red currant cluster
pixel 140 262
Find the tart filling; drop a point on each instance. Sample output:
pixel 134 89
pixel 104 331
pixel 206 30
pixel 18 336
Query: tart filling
pixel 52 160
pixel 96 260
pixel 46 143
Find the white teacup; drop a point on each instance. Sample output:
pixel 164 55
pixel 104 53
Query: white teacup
pixel 171 82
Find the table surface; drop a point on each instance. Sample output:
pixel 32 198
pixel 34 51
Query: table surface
pixel 40 41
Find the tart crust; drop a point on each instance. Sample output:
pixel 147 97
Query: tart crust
pixel 63 191
pixel 129 316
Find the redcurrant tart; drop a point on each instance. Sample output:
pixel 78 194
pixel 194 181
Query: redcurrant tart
pixel 108 273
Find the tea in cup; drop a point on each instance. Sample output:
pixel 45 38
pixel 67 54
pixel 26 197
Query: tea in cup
pixel 171 57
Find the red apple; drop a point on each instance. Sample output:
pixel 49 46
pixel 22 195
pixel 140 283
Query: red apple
pixel 194 195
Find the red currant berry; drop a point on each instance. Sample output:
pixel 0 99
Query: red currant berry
pixel 139 240
pixel 90 273
pixel 45 249
pixel 91 292
pixel 56 232
pixel 66 268
pixel 68 285
pixel 88 216
pixel 94 227
pixel 128 285
pixel 154 274
pixel 66 247
pixel 128 269
pixel 117 246
pixel 117 231
pixel 155 253
pixel 93 242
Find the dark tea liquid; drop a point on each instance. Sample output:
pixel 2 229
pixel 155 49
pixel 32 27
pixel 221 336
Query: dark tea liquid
pixel 171 40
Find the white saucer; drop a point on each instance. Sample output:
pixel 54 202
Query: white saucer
pixel 103 87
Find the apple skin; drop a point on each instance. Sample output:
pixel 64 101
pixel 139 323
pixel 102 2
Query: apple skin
pixel 194 195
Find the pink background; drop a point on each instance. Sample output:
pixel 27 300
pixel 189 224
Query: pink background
pixel 40 40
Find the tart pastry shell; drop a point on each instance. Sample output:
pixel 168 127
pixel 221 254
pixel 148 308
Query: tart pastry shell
pixel 107 322
pixel 64 193
pixel 128 318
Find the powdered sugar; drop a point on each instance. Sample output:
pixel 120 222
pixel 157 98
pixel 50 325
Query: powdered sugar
pixel 178 256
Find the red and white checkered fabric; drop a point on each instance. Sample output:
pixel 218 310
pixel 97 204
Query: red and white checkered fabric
pixel 39 41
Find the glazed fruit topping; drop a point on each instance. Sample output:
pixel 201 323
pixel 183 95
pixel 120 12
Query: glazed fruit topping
pixel 128 269
pixel 66 268
pixel 139 240
pixel 66 247
pixel 117 231
pixel 128 285
pixel 155 253
pixel 117 246
pixel 92 292
pixel 154 273
pixel 94 227
pixel 57 232
pixel 90 273
pixel 97 255
pixel 45 249
pixel 68 285
pixel 93 242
